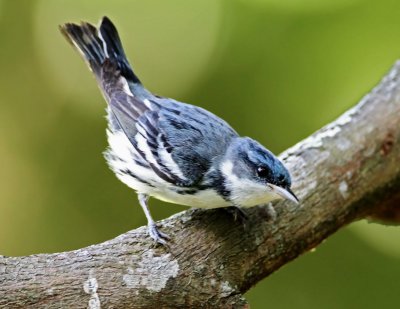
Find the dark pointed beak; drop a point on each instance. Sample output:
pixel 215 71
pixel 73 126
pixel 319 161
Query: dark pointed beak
pixel 296 200
pixel 286 193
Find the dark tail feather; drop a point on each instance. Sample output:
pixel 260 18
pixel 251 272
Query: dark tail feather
pixel 97 45
pixel 85 39
pixel 109 35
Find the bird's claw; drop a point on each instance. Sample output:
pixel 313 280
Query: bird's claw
pixel 238 215
pixel 158 236
pixel 271 212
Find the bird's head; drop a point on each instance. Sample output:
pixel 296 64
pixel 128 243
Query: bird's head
pixel 253 175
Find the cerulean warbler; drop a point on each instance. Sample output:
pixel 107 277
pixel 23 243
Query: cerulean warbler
pixel 169 150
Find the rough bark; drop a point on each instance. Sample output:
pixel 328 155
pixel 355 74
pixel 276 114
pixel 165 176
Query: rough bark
pixel 346 171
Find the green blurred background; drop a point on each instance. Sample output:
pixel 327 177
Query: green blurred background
pixel 277 70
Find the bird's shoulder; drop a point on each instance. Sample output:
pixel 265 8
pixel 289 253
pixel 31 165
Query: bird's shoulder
pixel 195 136
pixel 182 123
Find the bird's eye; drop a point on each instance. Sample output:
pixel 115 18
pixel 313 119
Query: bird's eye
pixel 263 172
pixel 281 178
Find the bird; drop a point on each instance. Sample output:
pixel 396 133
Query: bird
pixel 170 150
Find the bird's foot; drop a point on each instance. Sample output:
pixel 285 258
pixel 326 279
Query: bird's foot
pixel 158 236
pixel 238 214
pixel 270 211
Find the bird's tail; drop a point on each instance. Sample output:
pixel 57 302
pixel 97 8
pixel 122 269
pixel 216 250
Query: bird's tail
pixel 96 45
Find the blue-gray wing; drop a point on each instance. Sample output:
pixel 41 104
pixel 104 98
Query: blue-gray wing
pixel 195 136
pixel 177 141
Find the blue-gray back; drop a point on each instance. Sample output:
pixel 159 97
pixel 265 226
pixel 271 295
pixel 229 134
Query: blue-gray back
pixel 197 136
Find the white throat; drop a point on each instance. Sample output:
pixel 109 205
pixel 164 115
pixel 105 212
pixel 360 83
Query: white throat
pixel 246 192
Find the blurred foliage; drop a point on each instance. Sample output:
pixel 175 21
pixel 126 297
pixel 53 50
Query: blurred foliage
pixel 276 70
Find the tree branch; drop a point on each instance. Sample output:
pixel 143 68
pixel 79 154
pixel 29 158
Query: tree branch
pixel 346 171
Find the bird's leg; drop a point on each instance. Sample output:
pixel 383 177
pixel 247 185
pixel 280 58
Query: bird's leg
pixel 238 214
pixel 153 231
pixel 271 212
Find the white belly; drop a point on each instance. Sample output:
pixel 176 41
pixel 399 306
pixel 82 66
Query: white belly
pixel 121 159
pixel 202 199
